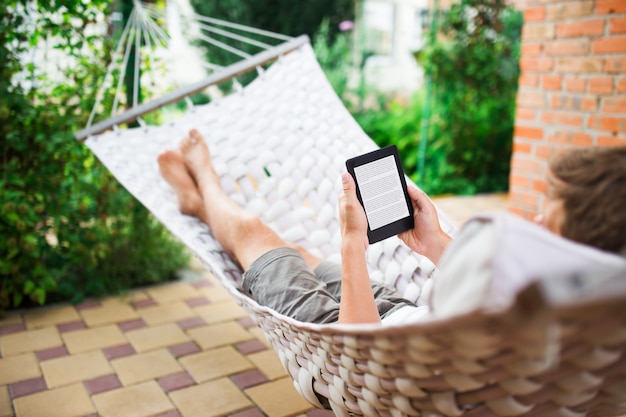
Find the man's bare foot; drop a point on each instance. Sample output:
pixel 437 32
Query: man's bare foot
pixel 174 171
pixel 197 157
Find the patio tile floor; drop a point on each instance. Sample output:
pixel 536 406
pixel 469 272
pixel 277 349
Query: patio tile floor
pixel 183 349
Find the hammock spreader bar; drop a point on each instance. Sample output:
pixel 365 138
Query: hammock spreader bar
pixel 227 73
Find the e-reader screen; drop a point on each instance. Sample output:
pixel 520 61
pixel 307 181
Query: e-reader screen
pixel 381 189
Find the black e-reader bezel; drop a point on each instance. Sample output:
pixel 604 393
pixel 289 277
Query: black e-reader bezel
pixel 399 226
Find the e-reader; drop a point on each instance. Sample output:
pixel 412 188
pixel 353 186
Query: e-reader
pixel 381 190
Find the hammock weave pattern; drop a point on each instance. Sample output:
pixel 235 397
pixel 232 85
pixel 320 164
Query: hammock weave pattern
pixel 280 146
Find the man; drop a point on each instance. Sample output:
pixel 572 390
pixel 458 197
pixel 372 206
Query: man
pixel 289 279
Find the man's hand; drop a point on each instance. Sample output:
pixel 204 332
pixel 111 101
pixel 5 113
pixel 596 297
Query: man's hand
pixel 427 237
pixel 351 214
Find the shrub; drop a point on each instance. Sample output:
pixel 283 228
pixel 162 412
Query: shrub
pixel 474 70
pixel 69 230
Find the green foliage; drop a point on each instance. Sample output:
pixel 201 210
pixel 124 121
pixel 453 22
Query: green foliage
pixel 69 230
pixel 474 70
pixel 280 16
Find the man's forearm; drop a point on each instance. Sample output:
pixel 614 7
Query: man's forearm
pixel 357 299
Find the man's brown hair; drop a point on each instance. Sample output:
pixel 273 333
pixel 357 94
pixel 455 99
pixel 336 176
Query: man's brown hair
pixel 593 189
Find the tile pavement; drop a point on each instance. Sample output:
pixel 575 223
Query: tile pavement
pixel 183 349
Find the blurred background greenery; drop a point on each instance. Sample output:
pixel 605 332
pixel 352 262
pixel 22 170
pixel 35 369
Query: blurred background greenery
pixel 70 231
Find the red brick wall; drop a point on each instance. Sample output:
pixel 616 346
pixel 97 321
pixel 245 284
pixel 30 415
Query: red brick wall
pixel 572 88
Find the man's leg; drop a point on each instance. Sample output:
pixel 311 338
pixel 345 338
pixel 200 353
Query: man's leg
pixel 241 233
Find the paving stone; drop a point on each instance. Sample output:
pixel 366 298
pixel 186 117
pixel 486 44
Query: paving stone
pixel 70 327
pixel 50 316
pixel 247 322
pixel 190 323
pixel 144 366
pixel 278 398
pixel 173 292
pixel 119 351
pixel 145 303
pixel 69 401
pixel 221 334
pixel 132 325
pixel 173 413
pixel 86 305
pixel 156 337
pixel 167 313
pixel 6 409
pixel 197 301
pixel 267 362
pixel 91 339
pixel 211 399
pixel 9 328
pixel 260 335
pixel 249 378
pixel 143 400
pixel 51 353
pixel 29 341
pixel 215 363
pixel 251 346
pixel 27 387
pixel 250 412
pixel 183 349
pixel 114 312
pixel 220 312
pixel 216 294
pixel 176 381
pixel 102 384
pixel 75 368
pixel 18 368
pixel 201 284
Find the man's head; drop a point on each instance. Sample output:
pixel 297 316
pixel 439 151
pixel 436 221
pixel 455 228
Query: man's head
pixel 586 197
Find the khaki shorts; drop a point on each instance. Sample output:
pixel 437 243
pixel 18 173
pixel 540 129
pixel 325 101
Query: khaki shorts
pixel 281 280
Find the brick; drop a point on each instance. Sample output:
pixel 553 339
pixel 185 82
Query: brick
pixel 539 186
pixel 601 85
pixel 536 64
pixel 521 147
pixel 580 28
pixel 531 99
pixel 521 181
pixel 611 141
pixel 580 65
pixel 614 104
pixel 528 80
pixel 616 65
pixel 621 85
pixel 521 164
pixel 569 10
pixel 613 124
pixel 610 6
pixel 534 14
pixel 528 132
pixel 524 114
pixel 525 199
pixel 538 31
pixel 518 211
pixel 562 118
pixel 530 49
pixel 609 45
pixel 571 138
pixel 575 102
pixel 551 82
pixel 617 25
pixel 575 84
pixel 544 152
pixel 578 46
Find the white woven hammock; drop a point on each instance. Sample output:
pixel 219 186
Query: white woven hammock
pixel 280 146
